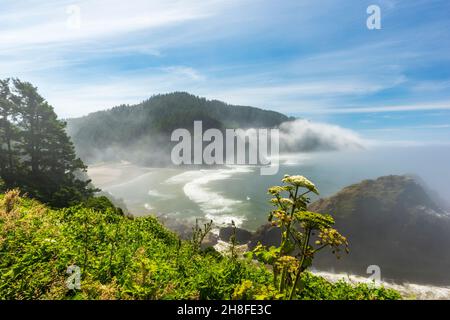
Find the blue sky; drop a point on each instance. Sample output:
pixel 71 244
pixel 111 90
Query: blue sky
pixel 311 59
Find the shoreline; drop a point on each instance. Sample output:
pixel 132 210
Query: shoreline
pixel 108 174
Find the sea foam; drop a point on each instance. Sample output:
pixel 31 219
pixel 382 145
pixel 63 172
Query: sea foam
pixel 213 204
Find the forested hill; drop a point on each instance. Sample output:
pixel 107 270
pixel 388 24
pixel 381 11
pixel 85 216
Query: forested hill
pixel 125 130
pixel 393 222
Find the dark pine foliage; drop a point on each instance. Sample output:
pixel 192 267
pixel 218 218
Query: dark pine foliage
pixel 36 154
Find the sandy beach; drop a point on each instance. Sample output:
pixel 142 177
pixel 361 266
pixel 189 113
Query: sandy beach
pixel 105 174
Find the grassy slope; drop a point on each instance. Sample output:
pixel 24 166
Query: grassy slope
pixel 123 258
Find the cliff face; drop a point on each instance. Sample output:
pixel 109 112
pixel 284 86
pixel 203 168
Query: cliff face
pixel 389 195
pixel 391 222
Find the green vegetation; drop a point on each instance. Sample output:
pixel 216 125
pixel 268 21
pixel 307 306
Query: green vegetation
pixel 298 228
pixel 124 258
pixel 121 132
pixel 35 152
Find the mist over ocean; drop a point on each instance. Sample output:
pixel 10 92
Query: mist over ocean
pixel 238 193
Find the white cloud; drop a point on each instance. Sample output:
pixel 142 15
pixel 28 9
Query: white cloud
pixel 303 135
pixel 405 143
pixel 421 127
pixel 48 24
pixel 182 71
pixel 291 94
pixel 37 36
pixel 444 105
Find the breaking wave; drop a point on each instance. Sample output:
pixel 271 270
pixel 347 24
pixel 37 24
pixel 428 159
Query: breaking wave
pixel 213 204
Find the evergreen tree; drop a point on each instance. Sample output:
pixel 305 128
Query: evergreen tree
pixel 48 168
pixel 7 131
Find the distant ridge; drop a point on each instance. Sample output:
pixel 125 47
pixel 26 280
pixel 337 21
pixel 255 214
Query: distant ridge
pixel 130 131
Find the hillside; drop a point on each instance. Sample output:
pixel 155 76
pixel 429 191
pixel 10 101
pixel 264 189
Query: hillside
pixel 391 222
pixel 124 258
pixel 141 133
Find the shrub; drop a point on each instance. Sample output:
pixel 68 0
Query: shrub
pixel 298 228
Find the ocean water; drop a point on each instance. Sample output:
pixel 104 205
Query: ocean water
pixel 238 193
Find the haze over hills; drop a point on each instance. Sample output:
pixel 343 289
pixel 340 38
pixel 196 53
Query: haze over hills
pixel 141 133
pixel 391 222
